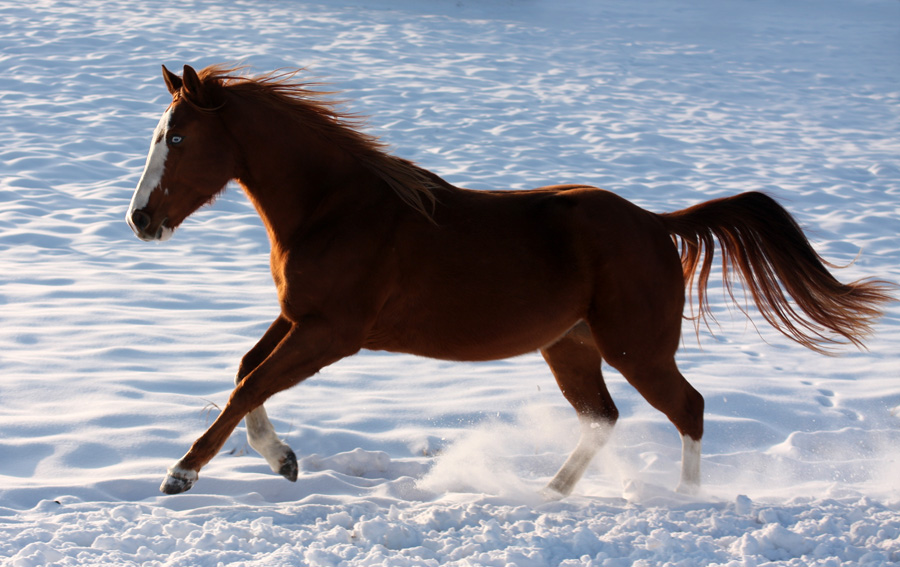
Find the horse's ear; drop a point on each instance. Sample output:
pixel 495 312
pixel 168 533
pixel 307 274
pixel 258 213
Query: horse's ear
pixel 192 83
pixel 199 93
pixel 173 81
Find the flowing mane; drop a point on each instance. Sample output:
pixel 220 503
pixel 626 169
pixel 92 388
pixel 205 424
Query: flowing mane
pixel 413 184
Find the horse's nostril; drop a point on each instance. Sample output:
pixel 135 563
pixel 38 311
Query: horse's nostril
pixel 140 219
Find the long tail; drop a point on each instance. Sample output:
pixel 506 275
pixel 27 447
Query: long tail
pixel 776 263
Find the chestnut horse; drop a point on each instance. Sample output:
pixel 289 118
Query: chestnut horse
pixel 370 251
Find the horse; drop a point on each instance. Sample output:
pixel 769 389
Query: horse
pixel 371 251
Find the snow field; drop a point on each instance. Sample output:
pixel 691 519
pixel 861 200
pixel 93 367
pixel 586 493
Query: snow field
pixel 115 354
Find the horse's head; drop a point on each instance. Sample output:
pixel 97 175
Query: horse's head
pixel 192 157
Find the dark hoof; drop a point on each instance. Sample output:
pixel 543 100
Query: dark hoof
pixel 177 482
pixel 289 468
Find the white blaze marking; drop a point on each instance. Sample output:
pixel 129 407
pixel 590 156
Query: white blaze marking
pixel 153 169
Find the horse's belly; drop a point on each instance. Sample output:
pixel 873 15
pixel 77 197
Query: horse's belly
pixel 491 329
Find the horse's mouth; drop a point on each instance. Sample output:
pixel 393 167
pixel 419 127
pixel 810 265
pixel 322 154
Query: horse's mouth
pixel 141 227
pixel 161 231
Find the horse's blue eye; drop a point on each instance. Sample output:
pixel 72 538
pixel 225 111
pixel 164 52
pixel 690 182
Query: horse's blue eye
pixel 175 139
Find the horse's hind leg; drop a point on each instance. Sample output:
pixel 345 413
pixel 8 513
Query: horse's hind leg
pixel 667 390
pixel 260 432
pixel 648 363
pixel 635 318
pixel 575 362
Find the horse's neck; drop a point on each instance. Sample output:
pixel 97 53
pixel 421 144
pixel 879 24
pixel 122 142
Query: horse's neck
pixel 293 176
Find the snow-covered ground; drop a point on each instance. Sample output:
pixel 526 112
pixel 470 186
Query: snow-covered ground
pixel 116 354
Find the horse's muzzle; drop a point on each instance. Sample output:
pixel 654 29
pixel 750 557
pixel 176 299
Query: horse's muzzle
pixel 141 222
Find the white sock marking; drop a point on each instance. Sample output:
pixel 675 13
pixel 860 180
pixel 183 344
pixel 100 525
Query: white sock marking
pixel 690 464
pixel 262 437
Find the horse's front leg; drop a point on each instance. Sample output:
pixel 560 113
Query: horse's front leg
pixel 305 349
pixel 260 432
